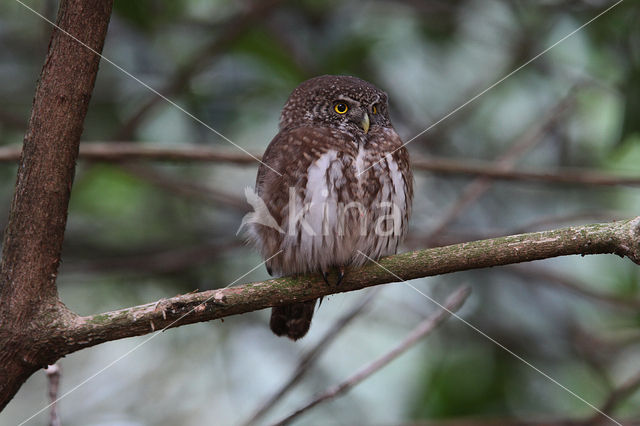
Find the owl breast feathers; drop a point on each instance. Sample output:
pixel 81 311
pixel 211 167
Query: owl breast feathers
pixel 335 184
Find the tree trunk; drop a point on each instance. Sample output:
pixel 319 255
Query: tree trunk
pixel 29 305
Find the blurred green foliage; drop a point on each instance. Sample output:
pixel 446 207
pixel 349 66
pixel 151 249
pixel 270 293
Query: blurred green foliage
pixel 143 231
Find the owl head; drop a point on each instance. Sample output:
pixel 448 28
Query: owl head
pixel 337 101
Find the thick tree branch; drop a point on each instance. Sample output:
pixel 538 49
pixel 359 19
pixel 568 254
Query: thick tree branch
pixel 621 238
pixel 29 304
pixel 127 151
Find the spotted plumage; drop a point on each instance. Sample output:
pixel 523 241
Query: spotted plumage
pixel 343 185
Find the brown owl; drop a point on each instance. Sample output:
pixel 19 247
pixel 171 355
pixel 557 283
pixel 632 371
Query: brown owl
pixel 335 182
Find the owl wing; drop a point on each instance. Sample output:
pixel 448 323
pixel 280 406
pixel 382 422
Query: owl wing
pixel 388 188
pixel 389 155
pixel 400 155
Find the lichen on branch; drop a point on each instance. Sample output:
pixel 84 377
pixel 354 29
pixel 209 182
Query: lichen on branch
pixel 621 238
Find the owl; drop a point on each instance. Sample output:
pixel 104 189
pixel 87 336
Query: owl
pixel 336 184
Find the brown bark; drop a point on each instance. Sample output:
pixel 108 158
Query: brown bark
pixel 136 151
pixel 621 238
pixel 29 305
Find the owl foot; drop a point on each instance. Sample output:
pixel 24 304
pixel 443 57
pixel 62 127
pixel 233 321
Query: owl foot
pixel 340 275
pixel 325 277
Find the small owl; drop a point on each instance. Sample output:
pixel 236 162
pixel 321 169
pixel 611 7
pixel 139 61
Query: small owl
pixel 336 183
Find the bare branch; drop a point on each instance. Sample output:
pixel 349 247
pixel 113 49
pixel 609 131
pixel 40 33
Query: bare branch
pixel 571 284
pixel 453 303
pixel 570 176
pixel 312 355
pixel 620 394
pixel 128 151
pixel 231 31
pixel 505 163
pixel 53 378
pixel 162 261
pixel 544 222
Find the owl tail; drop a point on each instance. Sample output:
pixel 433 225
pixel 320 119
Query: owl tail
pixel 293 320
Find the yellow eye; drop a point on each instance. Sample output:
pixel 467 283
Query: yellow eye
pixel 341 108
pixel 374 110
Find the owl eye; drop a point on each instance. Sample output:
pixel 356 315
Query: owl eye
pixel 374 109
pixel 341 108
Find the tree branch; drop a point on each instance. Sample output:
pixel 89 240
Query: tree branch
pixel 307 360
pixel 505 162
pixel 453 303
pixel 29 304
pixel 572 284
pixel 231 31
pixel 128 151
pixel 626 390
pixel 621 238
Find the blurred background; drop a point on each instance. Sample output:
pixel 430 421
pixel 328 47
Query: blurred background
pixel 139 231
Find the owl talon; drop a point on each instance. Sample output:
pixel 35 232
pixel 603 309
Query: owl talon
pixel 325 277
pixel 340 275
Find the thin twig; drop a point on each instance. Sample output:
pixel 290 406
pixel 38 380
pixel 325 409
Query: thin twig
pixel 619 395
pixel 488 170
pixel 505 163
pixel 307 360
pixel 453 303
pixel 53 378
pixel 187 189
pixel 231 31
pixel 569 283
pixel 165 261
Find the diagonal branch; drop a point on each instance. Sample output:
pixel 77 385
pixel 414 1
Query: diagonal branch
pixel 505 163
pixel 232 30
pixel 621 238
pixel 453 303
pixel 618 395
pixel 559 280
pixel 307 360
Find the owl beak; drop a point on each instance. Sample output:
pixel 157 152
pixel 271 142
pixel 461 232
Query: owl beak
pixel 365 122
